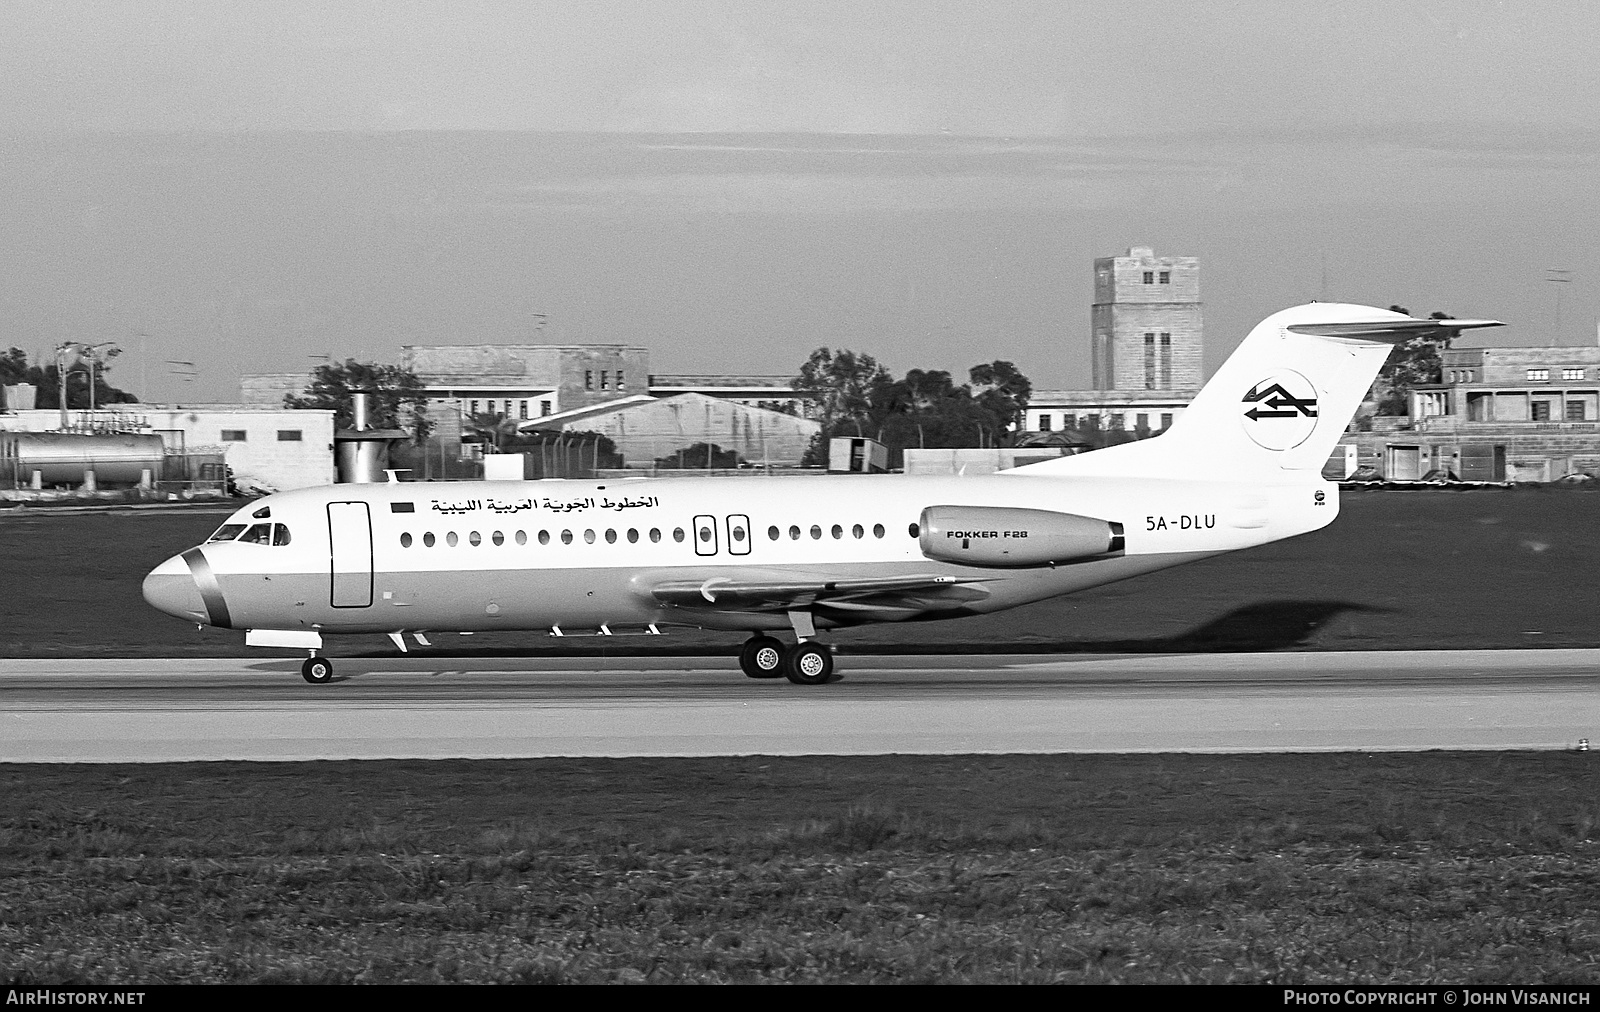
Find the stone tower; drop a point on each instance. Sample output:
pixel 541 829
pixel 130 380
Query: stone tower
pixel 1145 329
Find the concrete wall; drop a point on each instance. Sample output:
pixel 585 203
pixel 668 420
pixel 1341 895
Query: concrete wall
pixel 269 389
pixel 970 462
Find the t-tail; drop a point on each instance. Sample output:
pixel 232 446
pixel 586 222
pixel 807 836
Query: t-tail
pixel 1279 403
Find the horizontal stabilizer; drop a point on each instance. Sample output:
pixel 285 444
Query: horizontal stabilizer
pixel 1391 331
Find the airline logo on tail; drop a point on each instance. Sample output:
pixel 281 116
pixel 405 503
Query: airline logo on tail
pixel 1280 411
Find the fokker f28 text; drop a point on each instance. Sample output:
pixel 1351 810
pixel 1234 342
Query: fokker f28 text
pixel 799 555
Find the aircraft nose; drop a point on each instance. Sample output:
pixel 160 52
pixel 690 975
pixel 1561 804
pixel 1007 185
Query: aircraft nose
pixel 170 587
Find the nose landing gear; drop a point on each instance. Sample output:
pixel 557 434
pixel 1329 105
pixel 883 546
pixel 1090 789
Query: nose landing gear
pixel 317 670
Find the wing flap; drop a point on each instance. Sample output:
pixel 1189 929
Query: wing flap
pixel 733 594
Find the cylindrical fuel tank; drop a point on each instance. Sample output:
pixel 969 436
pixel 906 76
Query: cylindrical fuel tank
pixel 64 457
pixel 1006 538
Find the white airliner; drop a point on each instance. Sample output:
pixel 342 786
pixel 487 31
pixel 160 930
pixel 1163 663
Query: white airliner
pixel 1241 467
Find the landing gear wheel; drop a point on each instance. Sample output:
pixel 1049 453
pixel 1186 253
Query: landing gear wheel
pixel 762 657
pixel 808 664
pixel 317 670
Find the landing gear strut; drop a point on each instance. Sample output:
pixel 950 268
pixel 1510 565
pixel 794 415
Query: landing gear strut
pixel 317 670
pixel 762 657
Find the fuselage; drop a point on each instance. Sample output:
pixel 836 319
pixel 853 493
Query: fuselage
pixel 570 556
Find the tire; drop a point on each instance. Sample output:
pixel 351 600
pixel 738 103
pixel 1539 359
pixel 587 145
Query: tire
pixel 762 657
pixel 808 664
pixel 317 670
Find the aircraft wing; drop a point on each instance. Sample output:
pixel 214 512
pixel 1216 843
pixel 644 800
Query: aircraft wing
pixel 731 593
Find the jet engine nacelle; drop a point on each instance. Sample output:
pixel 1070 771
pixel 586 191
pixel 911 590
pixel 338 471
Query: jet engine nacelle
pixel 1007 538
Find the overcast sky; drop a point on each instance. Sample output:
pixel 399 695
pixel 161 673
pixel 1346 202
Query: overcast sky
pixel 246 185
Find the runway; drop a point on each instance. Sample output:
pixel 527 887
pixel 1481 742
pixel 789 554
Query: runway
pixel 422 707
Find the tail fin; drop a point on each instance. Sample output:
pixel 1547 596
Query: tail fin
pixel 1279 403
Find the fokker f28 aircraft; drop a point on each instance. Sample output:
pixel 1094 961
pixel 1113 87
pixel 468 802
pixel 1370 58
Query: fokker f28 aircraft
pixel 1241 467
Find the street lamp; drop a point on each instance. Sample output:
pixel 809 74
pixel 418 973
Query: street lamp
pixel 92 353
pixel 88 351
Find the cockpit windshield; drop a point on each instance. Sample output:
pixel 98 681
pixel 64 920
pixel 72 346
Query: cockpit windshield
pixel 252 534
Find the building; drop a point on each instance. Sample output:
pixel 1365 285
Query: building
pixel 270 449
pixel 772 392
pixel 526 383
pixel 646 429
pixel 1146 337
pixel 1539 405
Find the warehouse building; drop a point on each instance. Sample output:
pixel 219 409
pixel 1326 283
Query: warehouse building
pixel 1516 414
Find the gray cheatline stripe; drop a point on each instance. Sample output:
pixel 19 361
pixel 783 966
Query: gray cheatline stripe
pixel 210 591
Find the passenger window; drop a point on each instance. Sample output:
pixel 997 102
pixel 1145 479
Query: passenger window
pixel 498 539
pixel 856 531
pixel 794 533
pixel 838 532
pixel 544 537
pixel 405 541
pixel 474 539
pixel 816 533
pixel 772 533
pixel 566 537
pixel 738 533
pixel 677 534
pixel 280 534
pixel 914 530
pixel 611 536
pixel 427 539
pixel 451 539
pixel 227 532
pixel 633 536
pixel 705 534
pixel 522 538
pixel 258 534
pixel 655 535
pixel 877 530
pixel 588 537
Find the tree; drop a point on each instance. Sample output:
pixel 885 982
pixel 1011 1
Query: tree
pixel 397 401
pixel 852 395
pixel 844 389
pixel 1414 362
pixel 1002 394
pixel 493 429
pixel 14 368
pixel 563 453
pixel 700 455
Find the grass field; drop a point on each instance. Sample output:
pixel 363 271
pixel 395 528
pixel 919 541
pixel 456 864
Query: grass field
pixel 1350 868
pixel 1426 569
pixel 1344 868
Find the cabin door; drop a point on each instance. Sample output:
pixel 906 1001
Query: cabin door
pixel 350 554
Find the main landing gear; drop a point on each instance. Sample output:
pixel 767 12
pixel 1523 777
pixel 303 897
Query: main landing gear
pixel 805 663
pixel 317 670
